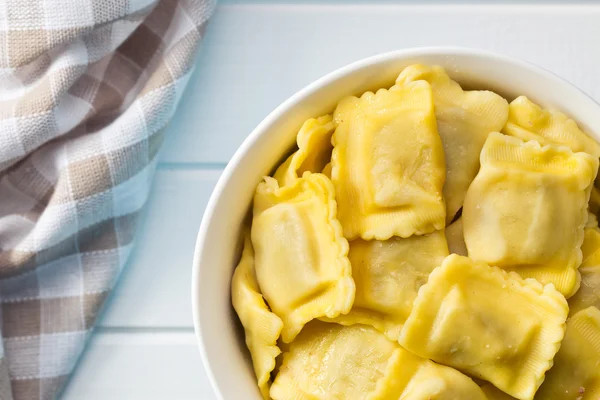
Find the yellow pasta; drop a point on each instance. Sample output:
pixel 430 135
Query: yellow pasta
pixel 314 150
pixel 464 120
pixel 528 121
pixel 301 256
pixel 261 326
pixel 334 362
pixel 527 208
pixel 493 393
pixel 388 164
pixel 589 291
pixel 576 371
pixel 592 221
pixel 454 236
pixel 327 170
pixel 410 377
pixel 388 276
pixel 487 323
pixel 407 250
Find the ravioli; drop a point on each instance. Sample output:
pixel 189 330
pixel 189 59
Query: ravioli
pixel 331 361
pixel 454 236
pixel 464 120
pixel 388 164
pixel 301 256
pixel 589 291
pixel 527 207
pixel 262 328
pixel 487 323
pixel 575 374
pixel 410 377
pixel 314 150
pixel 493 393
pixel 335 362
pixel 528 121
pixel 388 275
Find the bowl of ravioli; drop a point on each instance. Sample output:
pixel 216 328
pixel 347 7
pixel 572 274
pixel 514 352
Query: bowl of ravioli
pixel 417 225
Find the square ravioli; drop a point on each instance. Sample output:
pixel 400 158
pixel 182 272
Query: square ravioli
pixel 314 150
pixel 529 121
pixel 576 370
pixel 527 208
pixel 335 362
pixel 331 361
pixel 301 259
pixel 488 323
pixel 388 164
pixel 388 275
pixel 464 120
pixel 261 327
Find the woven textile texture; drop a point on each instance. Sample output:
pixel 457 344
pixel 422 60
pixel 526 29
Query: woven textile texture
pixel 86 90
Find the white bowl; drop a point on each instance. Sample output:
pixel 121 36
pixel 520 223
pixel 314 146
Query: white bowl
pixel 220 338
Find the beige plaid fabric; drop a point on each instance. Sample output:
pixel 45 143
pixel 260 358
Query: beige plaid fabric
pixel 86 89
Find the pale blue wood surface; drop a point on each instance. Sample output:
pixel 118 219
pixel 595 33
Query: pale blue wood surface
pixel 254 57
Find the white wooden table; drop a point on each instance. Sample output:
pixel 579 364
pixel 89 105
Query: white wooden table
pixel 256 55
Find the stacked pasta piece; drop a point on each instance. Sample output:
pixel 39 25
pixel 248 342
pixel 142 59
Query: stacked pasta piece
pixel 407 247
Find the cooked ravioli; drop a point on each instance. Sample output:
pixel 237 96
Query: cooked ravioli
pixel 410 377
pixel 388 275
pixel 576 372
pixel 335 362
pixel 493 393
pixel 527 207
pixel 331 361
pixel 464 120
pixel 388 164
pixel 487 323
pixel 454 236
pixel 301 256
pixel 261 326
pixel 589 291
pixel 528 121
pixel 314 150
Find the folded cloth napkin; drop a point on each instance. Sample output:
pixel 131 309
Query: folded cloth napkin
pixel 86 89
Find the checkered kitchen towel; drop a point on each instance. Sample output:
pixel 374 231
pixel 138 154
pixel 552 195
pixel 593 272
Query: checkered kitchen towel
pixel 86 89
